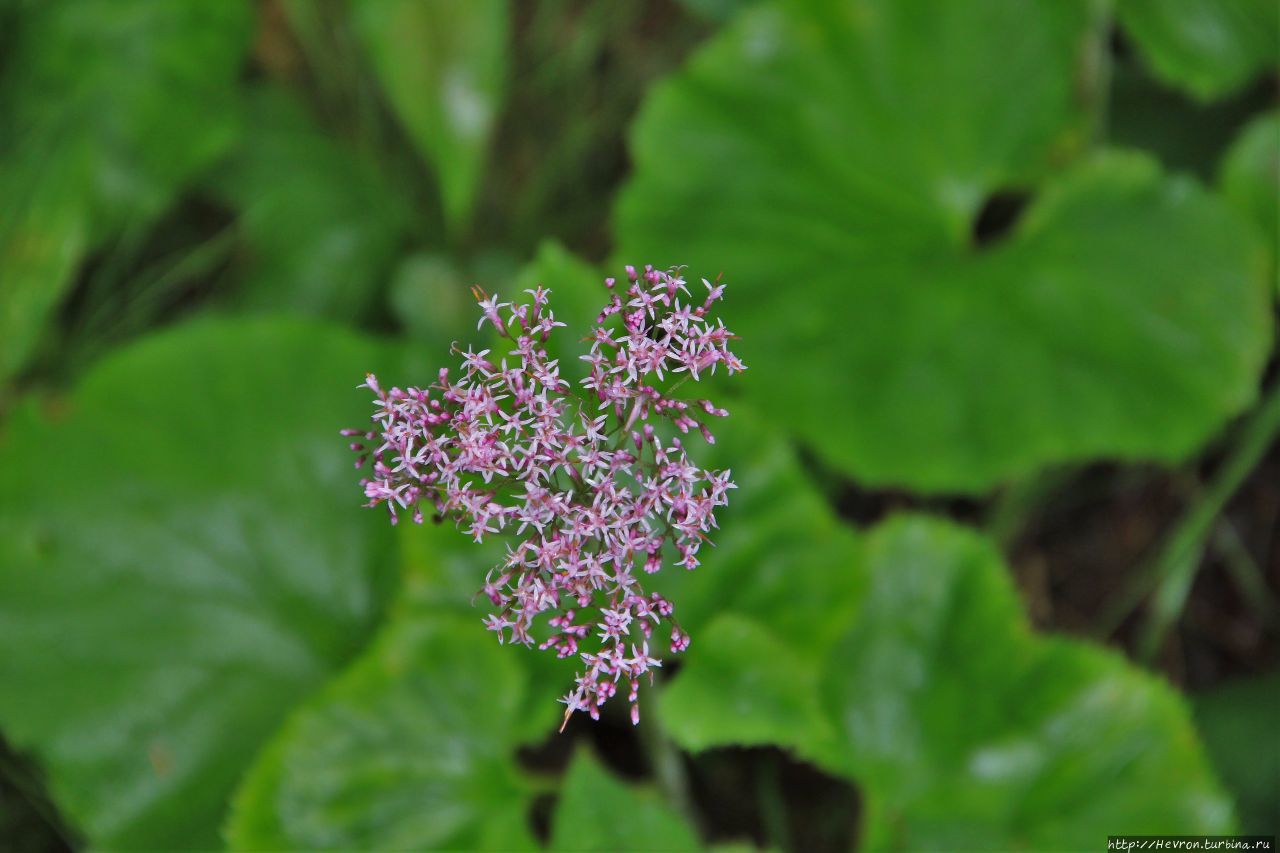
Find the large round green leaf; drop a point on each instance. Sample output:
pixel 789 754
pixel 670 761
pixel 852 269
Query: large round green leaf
pixel 410 749
pixel 1250 178
pixel 1207 47
pixel 597 811
pixel 962 727
pixel 969 731
pixel 443 570
pixel 182 558
pixel 743 685
pixel 832 158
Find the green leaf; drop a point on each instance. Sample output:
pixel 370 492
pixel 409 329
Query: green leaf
pixel 577 288
pixel 778 538
pixel 429 296
pixel 443 571
pixel 110 107
pixel 780 556
pixel 1250 177
pixel 1185 135
pixel 42 238
pixel 1207 47
pixel 773 594
pixel 599 812
pixel 742 685
pixel 182 559
pixel 144 92
pixel 578 294
pixel 968 730
pixel 1238 721
pixel 322 226
pixel 443 68
pixel 834 158
pixel 409 749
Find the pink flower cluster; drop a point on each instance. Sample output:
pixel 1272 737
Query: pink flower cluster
pixel 590 491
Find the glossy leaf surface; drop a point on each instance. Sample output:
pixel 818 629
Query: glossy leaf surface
pixel 598 811
pixel 1208 47
pixel 408 749
pixel 971 731
pixel 117 106
pixel 320 224
pixel 888 318
pixel 182 558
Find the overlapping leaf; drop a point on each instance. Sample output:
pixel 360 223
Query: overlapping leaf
pixel 1207 47
pixel 112 107
pixel 779 556
pixel 1122 316
pixel 1238 721
pixel 144 92
pixel 442 66
pixel 962 727
pixel 408 749
pixel 742 685
pixel 778 537
pixel 321 225
pixel 43 234
pixel 969 731
pixel 1250 179
pixel 181 560
pixel 772 558
pixel 597 811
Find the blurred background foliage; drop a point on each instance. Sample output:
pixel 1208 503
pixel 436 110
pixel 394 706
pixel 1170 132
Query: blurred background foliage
pixel 1003 570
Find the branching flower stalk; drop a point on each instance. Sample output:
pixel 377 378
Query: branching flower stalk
pixel 591 495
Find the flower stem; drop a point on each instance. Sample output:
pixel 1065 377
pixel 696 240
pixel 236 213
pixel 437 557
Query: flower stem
pixel 665 758
pixel 773 809
pixel 1248 575
pixel 1175 568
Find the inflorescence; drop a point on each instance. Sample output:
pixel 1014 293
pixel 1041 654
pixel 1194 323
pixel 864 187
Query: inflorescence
pixel 583 482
